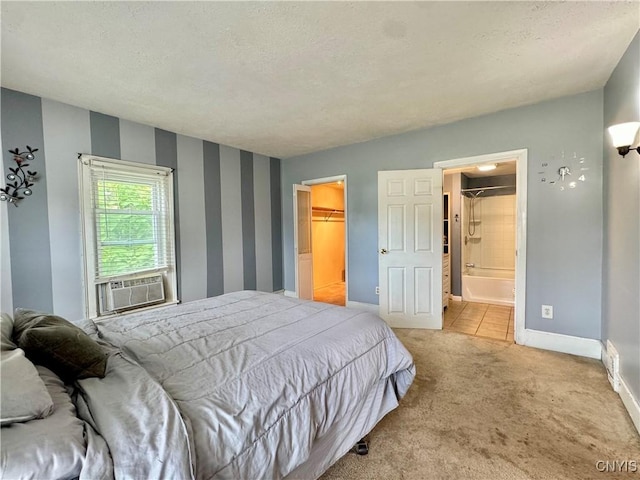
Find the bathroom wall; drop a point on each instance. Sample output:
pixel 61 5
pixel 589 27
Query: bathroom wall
pixel 327 236
pixel 492 181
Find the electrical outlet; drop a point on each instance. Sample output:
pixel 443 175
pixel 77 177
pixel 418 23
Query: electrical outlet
pixel 377 290
pixel 547 311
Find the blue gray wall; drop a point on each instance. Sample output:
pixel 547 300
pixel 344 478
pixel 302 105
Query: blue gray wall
pixel 227 206
pixel 621 262
pixel 564 229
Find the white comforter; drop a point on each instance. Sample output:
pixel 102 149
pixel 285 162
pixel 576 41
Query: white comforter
pixel 260 380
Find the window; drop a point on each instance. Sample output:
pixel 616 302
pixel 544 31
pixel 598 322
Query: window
pixel 127 211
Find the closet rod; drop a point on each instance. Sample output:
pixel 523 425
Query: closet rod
pixel 485 188
pixel 327 210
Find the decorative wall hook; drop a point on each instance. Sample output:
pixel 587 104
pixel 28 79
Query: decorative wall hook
pixel 20 180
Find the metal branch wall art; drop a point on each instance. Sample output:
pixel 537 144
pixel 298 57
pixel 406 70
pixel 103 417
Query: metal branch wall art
pixel 19 179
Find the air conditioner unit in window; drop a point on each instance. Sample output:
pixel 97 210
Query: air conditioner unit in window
pixel 134 293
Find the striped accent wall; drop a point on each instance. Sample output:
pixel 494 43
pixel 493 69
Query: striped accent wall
pixel 227 206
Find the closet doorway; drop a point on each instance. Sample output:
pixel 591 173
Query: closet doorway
pixel 329 239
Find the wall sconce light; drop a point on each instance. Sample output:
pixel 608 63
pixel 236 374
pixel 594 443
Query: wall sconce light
pixel 20 180
pixel 623 135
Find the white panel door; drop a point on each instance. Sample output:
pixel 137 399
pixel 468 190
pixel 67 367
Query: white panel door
pixel 302 241
pixel 410 247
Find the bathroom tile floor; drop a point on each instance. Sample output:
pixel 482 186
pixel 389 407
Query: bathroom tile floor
pixel 334 294
pixel 480 320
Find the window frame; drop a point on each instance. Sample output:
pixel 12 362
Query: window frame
pixel 93 284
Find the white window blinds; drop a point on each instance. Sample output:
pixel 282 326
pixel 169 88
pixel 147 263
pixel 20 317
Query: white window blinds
pixel 130 215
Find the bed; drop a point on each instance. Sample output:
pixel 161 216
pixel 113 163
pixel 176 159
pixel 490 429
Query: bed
pixel 244 385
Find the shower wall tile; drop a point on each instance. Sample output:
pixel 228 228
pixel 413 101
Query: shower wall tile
pixel 497 233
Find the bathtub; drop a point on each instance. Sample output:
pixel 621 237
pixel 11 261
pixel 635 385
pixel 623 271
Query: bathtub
pixel 487 285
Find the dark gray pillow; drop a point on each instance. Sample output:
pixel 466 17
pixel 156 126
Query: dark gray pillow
pixel 59 345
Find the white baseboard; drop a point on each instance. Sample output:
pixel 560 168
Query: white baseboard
pixel 289 293
pixel 369 307
pixel 557 342
pixel 456 298
pixel 631 403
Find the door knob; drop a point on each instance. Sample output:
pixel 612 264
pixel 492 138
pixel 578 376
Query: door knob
pixel 383 251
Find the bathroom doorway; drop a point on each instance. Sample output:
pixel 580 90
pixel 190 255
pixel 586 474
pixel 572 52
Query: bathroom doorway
pixel 485 231
pixel 329 239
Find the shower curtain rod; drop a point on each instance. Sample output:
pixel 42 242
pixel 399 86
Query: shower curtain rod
pixel 485 188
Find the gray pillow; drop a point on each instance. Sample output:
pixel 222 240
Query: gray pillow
pixel 23 395
pixel 6 331
pixel 59 345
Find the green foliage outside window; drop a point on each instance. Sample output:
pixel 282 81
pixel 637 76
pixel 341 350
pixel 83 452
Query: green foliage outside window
pixel 125 222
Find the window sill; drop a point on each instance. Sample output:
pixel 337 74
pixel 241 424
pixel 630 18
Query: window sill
pixel 101 318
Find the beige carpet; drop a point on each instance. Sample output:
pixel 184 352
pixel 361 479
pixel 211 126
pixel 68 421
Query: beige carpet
pixel 488 409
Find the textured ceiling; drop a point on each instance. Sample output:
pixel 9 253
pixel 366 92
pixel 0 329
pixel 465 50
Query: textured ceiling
pixel 286 78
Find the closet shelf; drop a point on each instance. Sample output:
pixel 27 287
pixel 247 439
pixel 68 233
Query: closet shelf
pixel 327 213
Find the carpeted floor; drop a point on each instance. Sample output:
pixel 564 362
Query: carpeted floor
pixel 489 409
pixel 334 293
